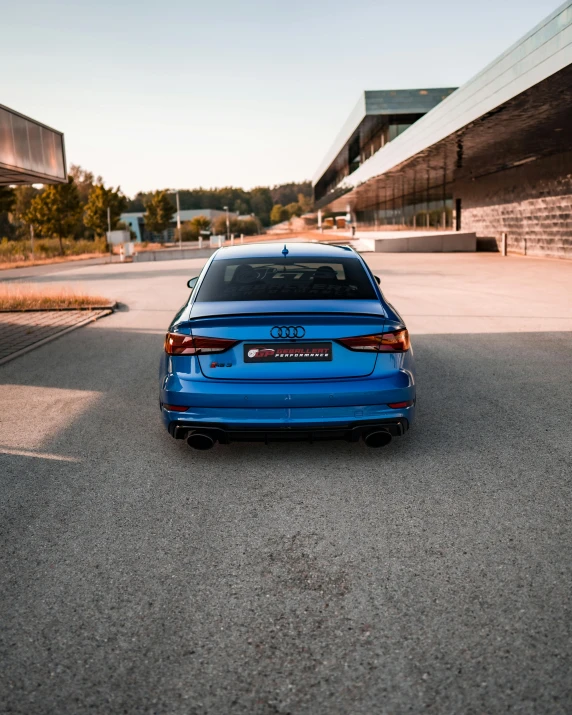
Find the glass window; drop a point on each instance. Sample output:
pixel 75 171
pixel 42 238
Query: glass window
pixel 285 279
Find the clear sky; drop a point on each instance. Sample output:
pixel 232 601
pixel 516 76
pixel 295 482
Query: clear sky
pixel 226 92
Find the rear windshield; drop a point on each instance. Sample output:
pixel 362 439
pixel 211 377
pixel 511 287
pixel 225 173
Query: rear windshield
pixel 285 279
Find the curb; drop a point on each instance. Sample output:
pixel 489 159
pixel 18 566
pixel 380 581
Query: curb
pixel 110 306
pixel 29 348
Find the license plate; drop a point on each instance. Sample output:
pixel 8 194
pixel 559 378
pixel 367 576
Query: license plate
pixel 288 352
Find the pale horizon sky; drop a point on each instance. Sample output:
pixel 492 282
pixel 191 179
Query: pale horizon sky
pixel 187 94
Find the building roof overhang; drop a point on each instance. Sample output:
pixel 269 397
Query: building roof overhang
pixel 30 152
pixel 382 102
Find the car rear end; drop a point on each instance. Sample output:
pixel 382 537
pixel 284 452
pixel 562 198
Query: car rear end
pixel 292 347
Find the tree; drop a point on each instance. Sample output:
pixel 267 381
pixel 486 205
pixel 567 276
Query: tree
pixel 56 211
pixel 259 200
pixel 306 202
pixel 100 199
pixel 261 203
pixel 294 209
pixel 278 214
pixel 84 181
pixel 160 212
pixel 289 193
pixel 7 199
pixel 23 197
pixel 241 207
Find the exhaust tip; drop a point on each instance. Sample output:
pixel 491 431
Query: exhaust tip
pixel 381 438
pixel 196 440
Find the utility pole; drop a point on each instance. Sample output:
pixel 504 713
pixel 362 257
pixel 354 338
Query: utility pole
pixel 179 221
pixel 32 239
pixel 109 219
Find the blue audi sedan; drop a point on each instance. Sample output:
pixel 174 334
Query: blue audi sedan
pixel 287 342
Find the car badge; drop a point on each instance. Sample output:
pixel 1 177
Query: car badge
pixel 288 331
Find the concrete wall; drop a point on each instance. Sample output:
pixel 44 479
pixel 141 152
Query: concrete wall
pixel 531 202
pixel 173 254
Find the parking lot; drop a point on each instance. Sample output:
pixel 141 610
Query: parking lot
pixel 434 575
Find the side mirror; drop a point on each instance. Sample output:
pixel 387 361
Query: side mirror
pixel 378 279
pixel 192 282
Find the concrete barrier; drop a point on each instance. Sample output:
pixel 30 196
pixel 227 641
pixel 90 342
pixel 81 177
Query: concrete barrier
pixel 417 242
pixel 173 254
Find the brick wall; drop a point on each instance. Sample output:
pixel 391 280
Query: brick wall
pixel 531 202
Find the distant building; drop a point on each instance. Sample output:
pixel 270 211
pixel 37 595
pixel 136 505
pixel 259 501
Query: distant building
pixel 136 222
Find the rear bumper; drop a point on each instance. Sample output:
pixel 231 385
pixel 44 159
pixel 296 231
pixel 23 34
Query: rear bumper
pixel 307 410
pixel 226 433
pixel 373 391
pixel 309 424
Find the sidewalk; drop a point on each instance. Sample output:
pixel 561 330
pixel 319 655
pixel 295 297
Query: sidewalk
pixel 23 331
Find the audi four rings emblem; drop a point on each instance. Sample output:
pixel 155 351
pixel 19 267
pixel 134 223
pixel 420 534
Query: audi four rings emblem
pixel 287 331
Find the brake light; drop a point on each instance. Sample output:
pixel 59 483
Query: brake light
pixel 179 344
pixel 176 408
pixel 397 341
pixel 400 405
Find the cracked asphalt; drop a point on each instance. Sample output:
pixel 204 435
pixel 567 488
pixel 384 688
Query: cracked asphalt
pixel 138 576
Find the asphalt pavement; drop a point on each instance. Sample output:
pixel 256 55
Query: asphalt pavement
pixel 139 576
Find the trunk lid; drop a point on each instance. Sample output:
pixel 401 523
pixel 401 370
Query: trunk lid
pixel 319 323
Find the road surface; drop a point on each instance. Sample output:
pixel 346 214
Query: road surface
pixel 139 576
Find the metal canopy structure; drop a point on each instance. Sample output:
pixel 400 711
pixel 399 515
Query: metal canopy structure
pixel 515 111
pixel 30 152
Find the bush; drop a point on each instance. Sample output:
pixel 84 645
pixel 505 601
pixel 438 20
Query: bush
pixel 12 251
pixel 248 226
pixel 188 232
pixel 294 209
pixel 191 230
pixel 279 214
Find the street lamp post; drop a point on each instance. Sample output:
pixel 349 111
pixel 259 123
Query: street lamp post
pixel 179 222
pixel 227 223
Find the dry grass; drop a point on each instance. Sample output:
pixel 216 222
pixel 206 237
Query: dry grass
pixel 5 265
pixel 26 297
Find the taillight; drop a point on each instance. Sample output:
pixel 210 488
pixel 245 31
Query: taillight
pixel 400 405
pixel 179 344
pixel 397 341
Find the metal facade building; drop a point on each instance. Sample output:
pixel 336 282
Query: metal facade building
pixel 30 152
pixel 494 156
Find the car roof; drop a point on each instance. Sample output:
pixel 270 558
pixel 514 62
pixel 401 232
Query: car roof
pixel 275 248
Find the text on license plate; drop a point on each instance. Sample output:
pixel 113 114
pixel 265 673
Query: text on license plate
pixel 288 352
